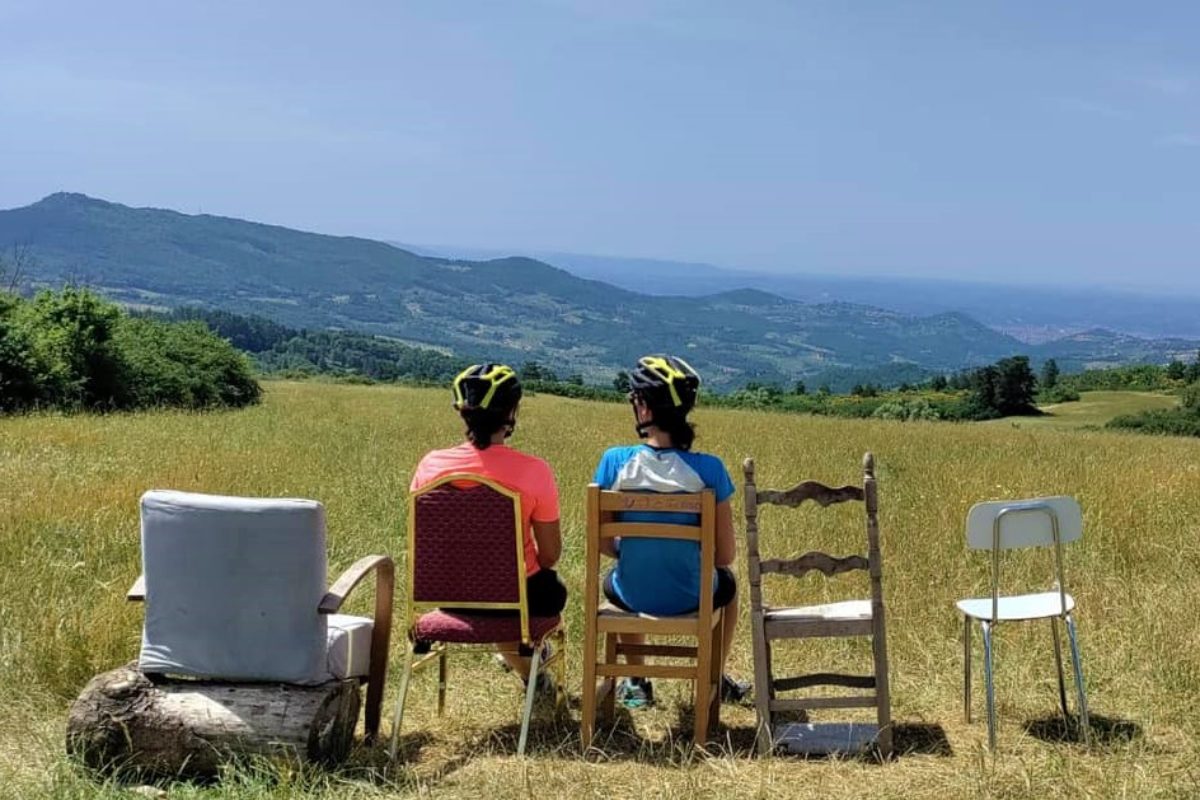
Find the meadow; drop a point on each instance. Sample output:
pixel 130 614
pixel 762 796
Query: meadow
pixel 1092 410
pixel 69 487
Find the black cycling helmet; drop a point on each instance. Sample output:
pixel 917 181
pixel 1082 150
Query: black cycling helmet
pixel 486 386
pixel 665 382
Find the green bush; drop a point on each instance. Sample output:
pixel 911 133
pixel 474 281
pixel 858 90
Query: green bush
pixel 1058 393
pixel 917 408
pixel 1170 422
pixel 1189 398
pixel 73 350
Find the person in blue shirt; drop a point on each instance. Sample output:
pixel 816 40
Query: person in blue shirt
pixel 661 576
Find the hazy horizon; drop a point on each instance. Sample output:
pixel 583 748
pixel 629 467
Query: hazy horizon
pixel 1013 144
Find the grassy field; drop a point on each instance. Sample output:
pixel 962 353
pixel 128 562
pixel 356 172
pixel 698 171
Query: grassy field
pixel 69 548
pixel 1092 410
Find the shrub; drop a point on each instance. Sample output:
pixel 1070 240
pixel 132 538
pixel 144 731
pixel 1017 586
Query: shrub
pixel 1170 422
pixel 74 350
pixel 907 410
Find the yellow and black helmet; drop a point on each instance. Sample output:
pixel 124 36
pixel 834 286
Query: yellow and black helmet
pixel 665 382
pixel 486 386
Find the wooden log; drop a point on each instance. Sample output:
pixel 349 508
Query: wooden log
pixel 124 720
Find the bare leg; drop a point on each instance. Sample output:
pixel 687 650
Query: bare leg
pixel 728 626
pixel 634 638
pixel 516 662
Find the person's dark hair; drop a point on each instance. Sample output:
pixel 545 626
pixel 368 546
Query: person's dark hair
pixel 668 386
pixel 483 423
pixel 486 395
pixel 674 422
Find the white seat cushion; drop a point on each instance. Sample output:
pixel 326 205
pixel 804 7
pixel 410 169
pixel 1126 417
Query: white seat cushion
pixel 1022 606
pixel 845 611
pixel 348 653
pixel 609 610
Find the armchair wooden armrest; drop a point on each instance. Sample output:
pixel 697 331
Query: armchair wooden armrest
pixel 137 592
pixel 381 630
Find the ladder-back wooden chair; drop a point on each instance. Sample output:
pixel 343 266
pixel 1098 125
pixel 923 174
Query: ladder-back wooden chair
pixel 466 567
pixel 841 619
pixel 704 625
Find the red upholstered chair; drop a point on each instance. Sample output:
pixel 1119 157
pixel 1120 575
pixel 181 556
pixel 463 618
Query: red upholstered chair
pixel 466 585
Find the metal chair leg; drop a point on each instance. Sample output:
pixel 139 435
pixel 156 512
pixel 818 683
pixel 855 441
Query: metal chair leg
pixel 988 679
pixel 442 675
pixel 967 622
pixel 535 666
pixel 560 670
pixel 401 696
pixel 1085 724
pixel 1062 683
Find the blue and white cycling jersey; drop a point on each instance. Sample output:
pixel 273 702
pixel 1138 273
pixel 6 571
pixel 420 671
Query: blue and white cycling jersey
pixel 660 576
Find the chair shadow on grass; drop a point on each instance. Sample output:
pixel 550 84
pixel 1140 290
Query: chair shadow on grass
pixel 620 739
pixel 1104 731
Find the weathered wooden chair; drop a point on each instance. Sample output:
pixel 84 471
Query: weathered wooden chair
pixel 1005 525
pixel 704 625
pixel 466 587
pixel 243 651
pixel 841 619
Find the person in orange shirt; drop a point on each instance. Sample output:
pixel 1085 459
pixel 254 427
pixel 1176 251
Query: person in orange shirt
pixel 487 397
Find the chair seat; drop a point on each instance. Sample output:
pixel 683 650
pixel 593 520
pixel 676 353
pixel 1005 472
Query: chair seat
pixel 474 628
pixel 613 612
pixel 348 646
pixel 845 611
pixel 1017 607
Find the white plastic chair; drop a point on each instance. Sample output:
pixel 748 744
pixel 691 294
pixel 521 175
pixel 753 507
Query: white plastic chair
pixel 1007 525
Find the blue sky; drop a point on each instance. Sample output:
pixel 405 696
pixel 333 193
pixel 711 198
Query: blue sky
pixel 1016 141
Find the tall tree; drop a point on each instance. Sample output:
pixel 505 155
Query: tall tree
pixel 1049 378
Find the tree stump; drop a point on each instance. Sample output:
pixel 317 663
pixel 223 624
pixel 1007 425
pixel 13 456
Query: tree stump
pixel 124 720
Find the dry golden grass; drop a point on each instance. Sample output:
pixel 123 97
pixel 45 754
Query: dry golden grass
pixel 68 549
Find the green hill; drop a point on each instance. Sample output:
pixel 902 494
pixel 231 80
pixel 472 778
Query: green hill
pixel 516 309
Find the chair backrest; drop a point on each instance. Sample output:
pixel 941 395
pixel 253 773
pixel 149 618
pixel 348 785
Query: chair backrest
pixel 1034 522
pixel 602 506
pixel 232 587
pixel 1009 524
pixel 824 563
pixel 466 543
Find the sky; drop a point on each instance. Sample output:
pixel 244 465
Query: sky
pixel 1016 141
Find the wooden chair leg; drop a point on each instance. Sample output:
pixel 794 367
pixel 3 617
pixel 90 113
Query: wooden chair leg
pixel 763 693
pixel 704 655
pixel 718 659
pixel 587 717
pixel 608 708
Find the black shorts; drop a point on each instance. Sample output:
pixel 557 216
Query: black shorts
pixel 544 591
pixel 722 596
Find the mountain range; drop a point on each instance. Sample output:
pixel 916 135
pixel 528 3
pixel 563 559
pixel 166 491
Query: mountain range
pixel 516 309
pixel 1030 313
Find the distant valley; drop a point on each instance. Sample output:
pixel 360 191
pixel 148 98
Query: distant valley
pixel 517 309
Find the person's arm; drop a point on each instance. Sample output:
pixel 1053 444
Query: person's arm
pixel 548 536
pixel 726 539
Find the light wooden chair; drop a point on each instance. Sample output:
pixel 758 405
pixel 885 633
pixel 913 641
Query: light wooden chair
pixel 842 619
pixel 471 601
pixel 704 625
pixel 1005 525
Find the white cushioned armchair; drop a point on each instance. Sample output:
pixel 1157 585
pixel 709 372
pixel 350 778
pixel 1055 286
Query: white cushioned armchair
pixel 235 589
